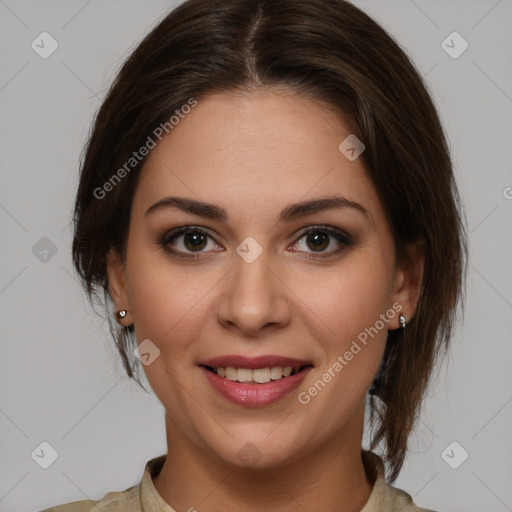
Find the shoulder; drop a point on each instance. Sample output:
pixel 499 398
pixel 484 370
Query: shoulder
pixel 403 501
pixel 136 498
pixel 384 496
pixel 124 501
pixel 391 498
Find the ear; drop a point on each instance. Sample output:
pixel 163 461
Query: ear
pixel 116 275
pixel 408 280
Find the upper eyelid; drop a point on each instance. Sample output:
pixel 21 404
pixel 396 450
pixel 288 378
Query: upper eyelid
pixel 299 232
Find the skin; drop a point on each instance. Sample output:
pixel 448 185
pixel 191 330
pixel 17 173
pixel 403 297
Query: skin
pixel 254 154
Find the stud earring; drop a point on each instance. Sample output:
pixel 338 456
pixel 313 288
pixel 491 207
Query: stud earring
pixel 121 314
pixel 402 321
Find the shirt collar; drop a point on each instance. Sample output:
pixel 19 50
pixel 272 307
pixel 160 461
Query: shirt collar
pixel 150 500
pixel 383 496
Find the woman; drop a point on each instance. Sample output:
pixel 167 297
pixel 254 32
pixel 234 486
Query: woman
pixel 268 206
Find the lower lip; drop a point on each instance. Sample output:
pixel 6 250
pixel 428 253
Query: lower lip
pixel 255 394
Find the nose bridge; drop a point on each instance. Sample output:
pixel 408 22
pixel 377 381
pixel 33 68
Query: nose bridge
pixel 253 298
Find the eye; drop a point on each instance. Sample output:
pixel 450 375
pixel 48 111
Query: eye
pixel 319 238
pixel 187 240
pixel 193 242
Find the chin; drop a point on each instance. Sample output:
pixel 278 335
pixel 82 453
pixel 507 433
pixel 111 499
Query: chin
pixel 257 451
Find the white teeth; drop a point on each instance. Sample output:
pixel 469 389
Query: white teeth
pixel 259 375
pixel 276 373
pixel 231 373
pixel 244 375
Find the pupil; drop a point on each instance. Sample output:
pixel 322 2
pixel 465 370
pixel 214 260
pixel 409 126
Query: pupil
pixel 320 241
pixel 196 238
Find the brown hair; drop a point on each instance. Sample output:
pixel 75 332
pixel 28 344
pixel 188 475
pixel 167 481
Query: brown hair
pixel 333 52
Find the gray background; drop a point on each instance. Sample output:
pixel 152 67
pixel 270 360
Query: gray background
pixel 61 379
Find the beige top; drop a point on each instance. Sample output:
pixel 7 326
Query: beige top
pixel 143 497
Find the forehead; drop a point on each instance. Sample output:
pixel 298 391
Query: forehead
pixel 257 150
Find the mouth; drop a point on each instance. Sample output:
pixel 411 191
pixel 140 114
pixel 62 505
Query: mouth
pixel 255 381
pixel 257 375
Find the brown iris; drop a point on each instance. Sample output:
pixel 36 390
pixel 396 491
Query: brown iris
pixel 197 240
pixel 319 241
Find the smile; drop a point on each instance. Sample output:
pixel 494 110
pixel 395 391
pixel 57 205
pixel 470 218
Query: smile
pixel 255 381
pixel 257 376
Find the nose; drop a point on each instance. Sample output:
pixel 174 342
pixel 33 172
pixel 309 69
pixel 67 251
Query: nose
pixel 254 298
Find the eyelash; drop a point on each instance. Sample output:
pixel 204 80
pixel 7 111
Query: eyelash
pixel 344 239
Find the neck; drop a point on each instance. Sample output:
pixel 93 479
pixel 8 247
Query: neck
pixel 331 478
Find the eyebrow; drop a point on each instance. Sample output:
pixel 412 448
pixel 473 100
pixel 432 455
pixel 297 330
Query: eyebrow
pixel 290 213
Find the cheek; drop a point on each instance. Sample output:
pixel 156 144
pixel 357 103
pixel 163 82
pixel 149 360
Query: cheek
pixel 348 304
pixel 167 301
pixel 351 296
pixel 170 309
pixel 353 350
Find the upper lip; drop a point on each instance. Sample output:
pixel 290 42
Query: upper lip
pixel 252 363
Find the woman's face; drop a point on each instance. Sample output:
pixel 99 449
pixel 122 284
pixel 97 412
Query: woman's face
pixel 259 282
